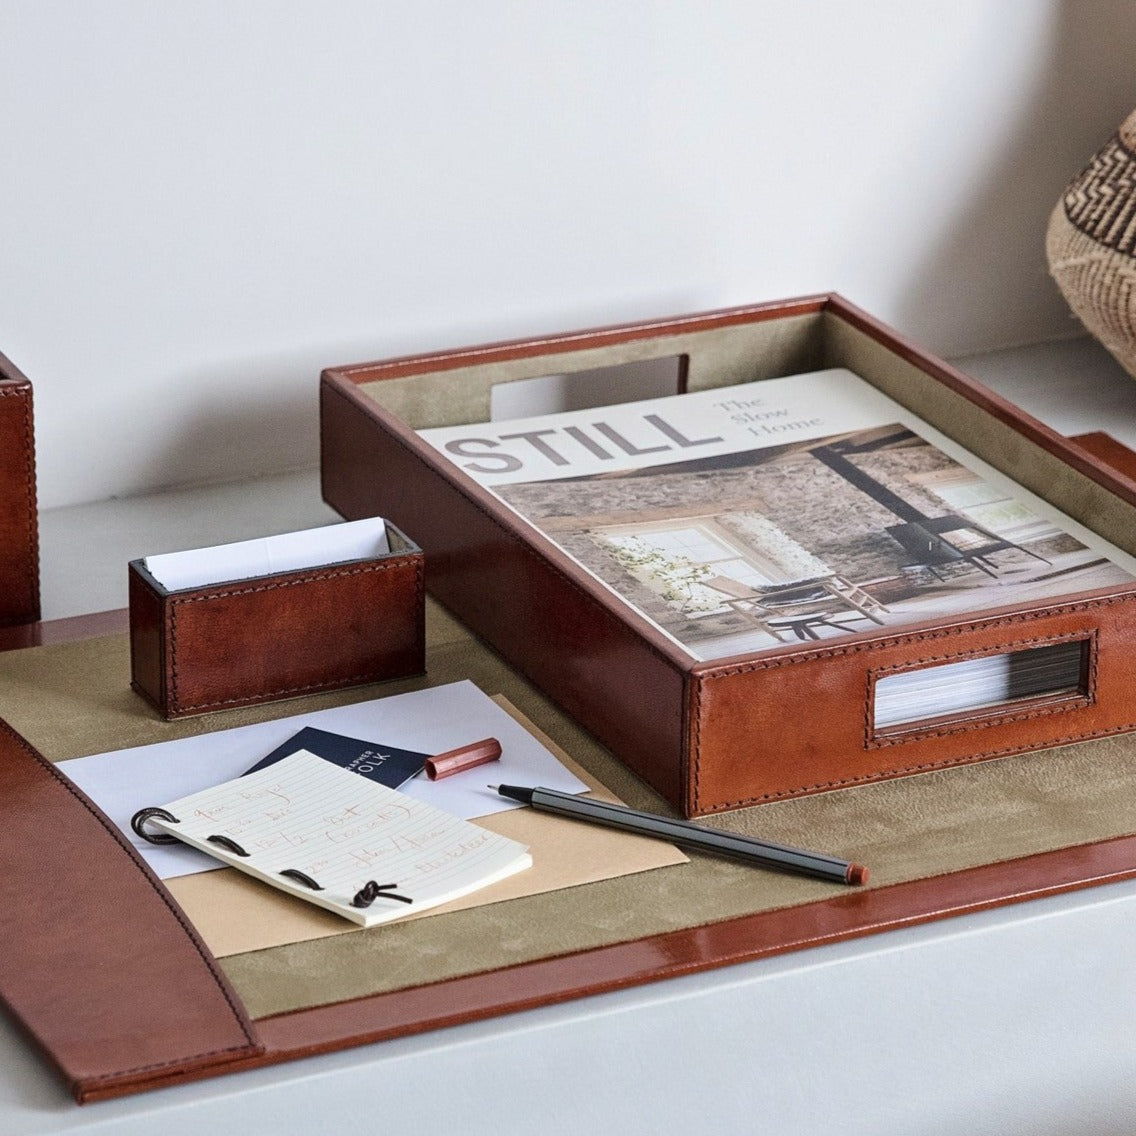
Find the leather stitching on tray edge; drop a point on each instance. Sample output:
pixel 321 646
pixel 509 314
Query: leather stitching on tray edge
pixel 991 719
pixel 899 771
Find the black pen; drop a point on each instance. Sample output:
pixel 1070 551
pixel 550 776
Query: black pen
pixel 781 857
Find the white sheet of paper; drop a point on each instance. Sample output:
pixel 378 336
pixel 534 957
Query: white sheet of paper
pixel 269 555
pixel 428 721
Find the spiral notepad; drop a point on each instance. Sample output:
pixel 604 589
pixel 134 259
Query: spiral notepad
pixel 328 836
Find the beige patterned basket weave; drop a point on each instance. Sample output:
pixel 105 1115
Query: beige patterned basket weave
pixel 1091 245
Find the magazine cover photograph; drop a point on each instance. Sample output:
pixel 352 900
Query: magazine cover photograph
pixel 742 551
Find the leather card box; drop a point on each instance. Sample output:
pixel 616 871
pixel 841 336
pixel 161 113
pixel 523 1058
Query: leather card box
pixel 258 636
pixel 801 717
pixel 19 531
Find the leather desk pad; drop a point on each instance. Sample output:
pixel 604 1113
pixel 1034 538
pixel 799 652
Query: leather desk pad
pixel 1062 822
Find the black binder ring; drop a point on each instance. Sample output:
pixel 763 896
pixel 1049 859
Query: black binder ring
pixel 371 891
pixel 226 842
pixel 305 879
pixel 143 815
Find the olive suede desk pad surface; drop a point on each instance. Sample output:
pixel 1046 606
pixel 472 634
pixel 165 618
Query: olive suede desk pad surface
pixel 73 699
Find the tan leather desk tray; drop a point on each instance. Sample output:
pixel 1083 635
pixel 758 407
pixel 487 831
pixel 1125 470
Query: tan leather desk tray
pixel 122 997
pixel 607 644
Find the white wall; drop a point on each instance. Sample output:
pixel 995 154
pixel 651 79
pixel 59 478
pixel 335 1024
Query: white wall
pixel 204 203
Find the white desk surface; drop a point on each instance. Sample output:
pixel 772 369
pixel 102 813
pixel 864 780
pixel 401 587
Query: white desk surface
pixel 1018 1020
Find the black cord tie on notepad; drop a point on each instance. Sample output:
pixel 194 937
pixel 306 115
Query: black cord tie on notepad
pixel 371 891
pixel 226 842
pixel 143 815
pixel 306 880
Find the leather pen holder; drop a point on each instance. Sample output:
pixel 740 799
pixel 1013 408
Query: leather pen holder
pixel 196 648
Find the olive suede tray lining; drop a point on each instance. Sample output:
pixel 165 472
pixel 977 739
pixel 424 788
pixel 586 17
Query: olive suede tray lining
pixel 751 352
pixel 73 699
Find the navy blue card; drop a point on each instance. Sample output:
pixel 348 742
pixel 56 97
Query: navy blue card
pixel 388 765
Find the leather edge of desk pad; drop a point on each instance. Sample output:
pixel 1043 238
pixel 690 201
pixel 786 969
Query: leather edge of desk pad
pixel 151 1006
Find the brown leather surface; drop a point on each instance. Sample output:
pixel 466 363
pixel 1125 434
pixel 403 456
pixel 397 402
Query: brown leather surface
pixel 1113 453
pixel 277 636
pixel 824 693
pixel 700 734
pixel 617 676
pixel 64 630
pixel 95 959
pixel 19 530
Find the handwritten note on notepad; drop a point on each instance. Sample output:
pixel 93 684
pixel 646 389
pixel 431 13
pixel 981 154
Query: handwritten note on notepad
pixel 305 819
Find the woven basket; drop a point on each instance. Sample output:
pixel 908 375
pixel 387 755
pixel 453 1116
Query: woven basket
pixel 1091 245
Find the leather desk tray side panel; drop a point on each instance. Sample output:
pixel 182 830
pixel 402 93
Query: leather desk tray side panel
pixel 19 529
pixel 558 632
pixel 99 964
pixel 668 719
pixel 741 706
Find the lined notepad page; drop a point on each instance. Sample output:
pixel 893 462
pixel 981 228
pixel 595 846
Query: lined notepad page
pixel 342 830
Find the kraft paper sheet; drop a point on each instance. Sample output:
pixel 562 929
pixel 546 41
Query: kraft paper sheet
pixel 234 913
